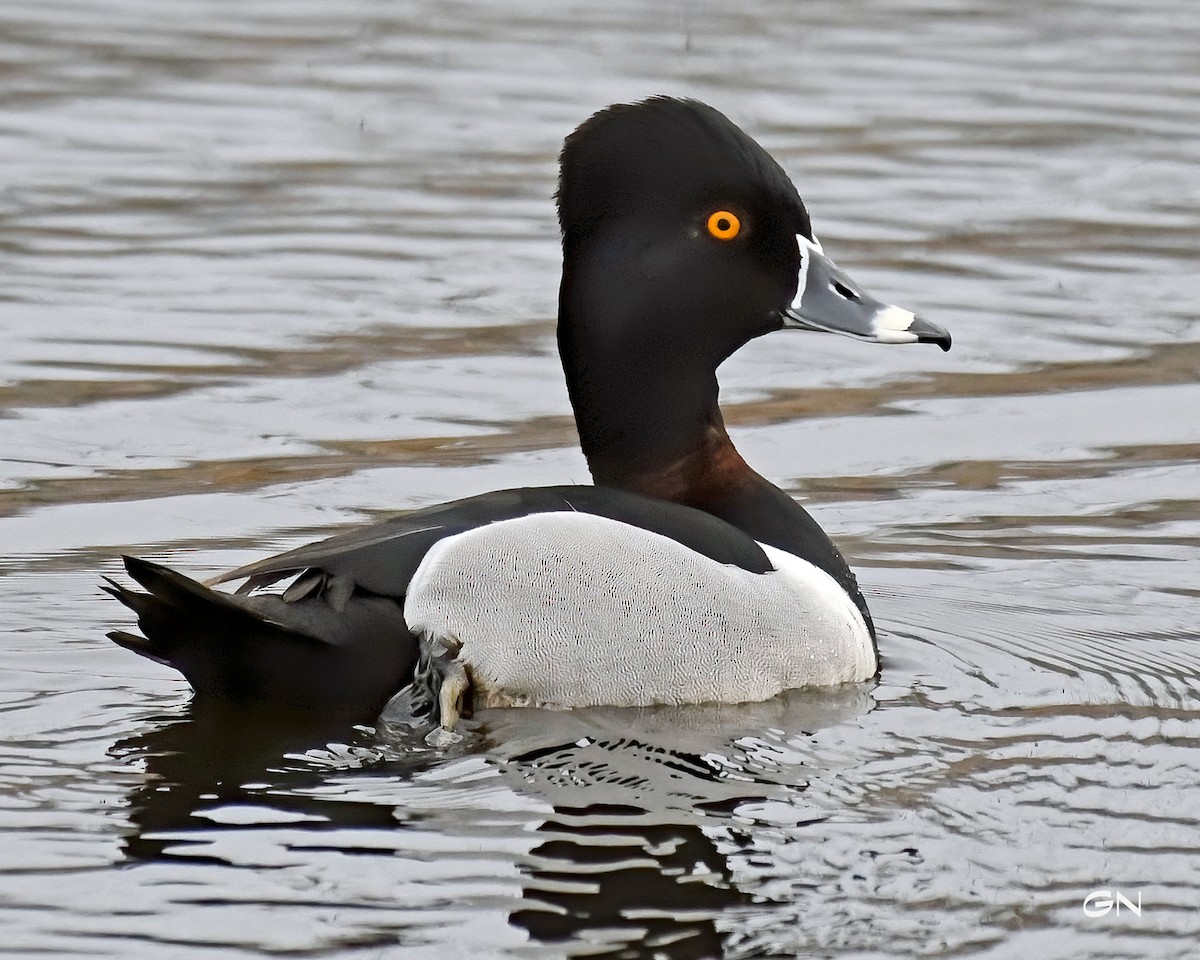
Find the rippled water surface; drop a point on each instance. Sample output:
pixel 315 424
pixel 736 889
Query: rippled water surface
pixel 274 268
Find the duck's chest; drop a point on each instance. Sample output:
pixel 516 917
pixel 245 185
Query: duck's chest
pixel 572 609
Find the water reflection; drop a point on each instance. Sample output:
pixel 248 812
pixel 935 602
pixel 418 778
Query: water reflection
pixel 632 816
pixel 637 851
pixel 213 759
pixel 609 877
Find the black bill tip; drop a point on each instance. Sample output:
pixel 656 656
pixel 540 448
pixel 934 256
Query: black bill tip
pixel 927 332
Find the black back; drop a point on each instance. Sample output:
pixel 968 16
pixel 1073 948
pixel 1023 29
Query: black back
pixel 381 559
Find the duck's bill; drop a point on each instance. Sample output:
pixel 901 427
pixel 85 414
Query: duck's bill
pixel 827 299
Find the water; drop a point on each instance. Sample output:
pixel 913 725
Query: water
pixel 272 269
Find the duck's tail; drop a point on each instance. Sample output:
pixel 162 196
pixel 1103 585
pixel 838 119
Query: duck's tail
pixel 307 656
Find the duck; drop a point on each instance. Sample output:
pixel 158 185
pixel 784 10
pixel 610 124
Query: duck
pixel 680 575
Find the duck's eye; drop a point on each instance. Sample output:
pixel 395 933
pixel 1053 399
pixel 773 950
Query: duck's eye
pixel 724 225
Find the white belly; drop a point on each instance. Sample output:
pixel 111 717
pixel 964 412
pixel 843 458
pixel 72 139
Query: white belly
pixel 571 609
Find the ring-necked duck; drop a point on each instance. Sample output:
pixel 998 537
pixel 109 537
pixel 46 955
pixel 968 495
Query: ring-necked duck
pixel 682 576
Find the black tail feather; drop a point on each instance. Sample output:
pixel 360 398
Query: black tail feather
pixel 303 656
pixel 139 645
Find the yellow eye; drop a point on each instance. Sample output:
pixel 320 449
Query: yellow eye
pixel 724 225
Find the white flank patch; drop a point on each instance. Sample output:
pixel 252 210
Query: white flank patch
pixel 570 609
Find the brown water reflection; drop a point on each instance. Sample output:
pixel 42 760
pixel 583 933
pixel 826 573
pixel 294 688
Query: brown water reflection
pixel 1161 365
pixel 273 268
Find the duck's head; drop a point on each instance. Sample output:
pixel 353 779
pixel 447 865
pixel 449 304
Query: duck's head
pixel 682 233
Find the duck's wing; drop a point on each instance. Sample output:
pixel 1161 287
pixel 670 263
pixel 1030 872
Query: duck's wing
pixel 335 642
pixel 381 558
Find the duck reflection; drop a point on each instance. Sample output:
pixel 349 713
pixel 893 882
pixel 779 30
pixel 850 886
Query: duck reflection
pixel 607 875
pixel 213 757
pixel 635 859
pixel 626 822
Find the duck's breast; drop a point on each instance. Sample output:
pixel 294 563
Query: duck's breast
pixel 573 609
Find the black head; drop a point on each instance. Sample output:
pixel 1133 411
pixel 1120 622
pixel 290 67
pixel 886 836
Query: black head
pixel 682 240
pixel 677 227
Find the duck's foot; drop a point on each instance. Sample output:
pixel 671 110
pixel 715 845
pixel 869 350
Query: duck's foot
pixel 441 688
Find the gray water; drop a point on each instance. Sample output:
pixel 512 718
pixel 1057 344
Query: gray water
pixel 271 269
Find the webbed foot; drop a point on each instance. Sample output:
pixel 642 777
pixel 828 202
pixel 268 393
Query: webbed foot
pixel 441 688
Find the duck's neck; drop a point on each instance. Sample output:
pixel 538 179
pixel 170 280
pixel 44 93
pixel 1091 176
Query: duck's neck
pixel 655 431
pixel 641 373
